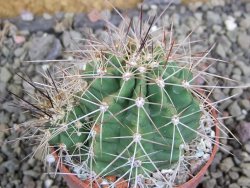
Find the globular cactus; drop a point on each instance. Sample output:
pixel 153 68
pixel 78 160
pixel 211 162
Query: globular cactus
pixel 130 109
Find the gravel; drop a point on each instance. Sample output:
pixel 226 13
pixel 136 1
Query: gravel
pixel 224 23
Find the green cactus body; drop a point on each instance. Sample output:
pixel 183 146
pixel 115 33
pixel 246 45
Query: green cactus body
pixel 133 117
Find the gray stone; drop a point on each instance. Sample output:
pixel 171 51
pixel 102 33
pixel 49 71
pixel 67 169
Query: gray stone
pixel 233 175
pixel 244 40
pixel 225 42
pixel 31 173
pixel 5 75
pixel 237 70
pixel 245 23
pixel 244 67
pixel 217 174
pixel 243 131
pixel 236 77
pixel 234 109
pixel 245 169
pixel 105 14
pixel 3 131
pixel 70 39
pixel 9 107
pixel 5 51
pixel 15 88
pixel 248 7
pixel 213 17
pixel 209 183
pixel 237 91
pixel 55 51
pixel 11 165
pixel 65 24
pixel 28 182
pixel 218 94
pixel 217 28
pixel 81 21
pixel 247 147
pixel 220 50
pixel 4 117
pixel 245 103
pixel 19 51
pixel 226 164
pixel 39 24
pixel 232 35
pixel 51 49
pixel 198 16
pixel 234 185
pixel 243 181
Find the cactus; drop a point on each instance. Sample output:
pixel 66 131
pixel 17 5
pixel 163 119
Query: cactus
pixel 135 113
pixel 130 109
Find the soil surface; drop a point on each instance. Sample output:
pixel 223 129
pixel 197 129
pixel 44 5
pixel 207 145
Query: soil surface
pixel 225 23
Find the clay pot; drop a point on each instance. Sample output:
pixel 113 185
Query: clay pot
pixel 74 182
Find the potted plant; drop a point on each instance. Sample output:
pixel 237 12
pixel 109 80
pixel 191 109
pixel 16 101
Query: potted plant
pixel 132 111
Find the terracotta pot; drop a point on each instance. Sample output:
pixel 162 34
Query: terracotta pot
pixel 74 182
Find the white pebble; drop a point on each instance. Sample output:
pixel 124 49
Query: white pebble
pixel 48 183
pixel 208 143
pixel 206 156
pixel 199 154
pixel 27 16
pixel 104 182
pixel 230 23
pixel 201 146
pixel 212 134
pixel 50 159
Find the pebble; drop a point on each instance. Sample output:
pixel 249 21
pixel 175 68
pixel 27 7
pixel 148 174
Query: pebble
pixel 244 40
pixel 217 174
pixel 28 182
pixel 19 51
pixel 27 16
pixel 236 91
pixel 3 132
pixel 247 147
pixel 234 185
pixel 245 23
pixel 248 7
pixel 209 183
pixel 233 175
pixel 47 16
pixel 230 23
pixel 220 50
pixel 38 24
pixel 243 181
pixel 234 109
pixel 70 39
pixel 50 45
pixel 5 75
pixel 11 165
pixel 31 173
pixel 226 164
pixel 19 39
pixel 244 67
pixel 243 131
pixel 65 24
pixel 213 18
pixel 81 21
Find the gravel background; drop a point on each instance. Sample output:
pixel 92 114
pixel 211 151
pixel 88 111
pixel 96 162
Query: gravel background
pixel 224 22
